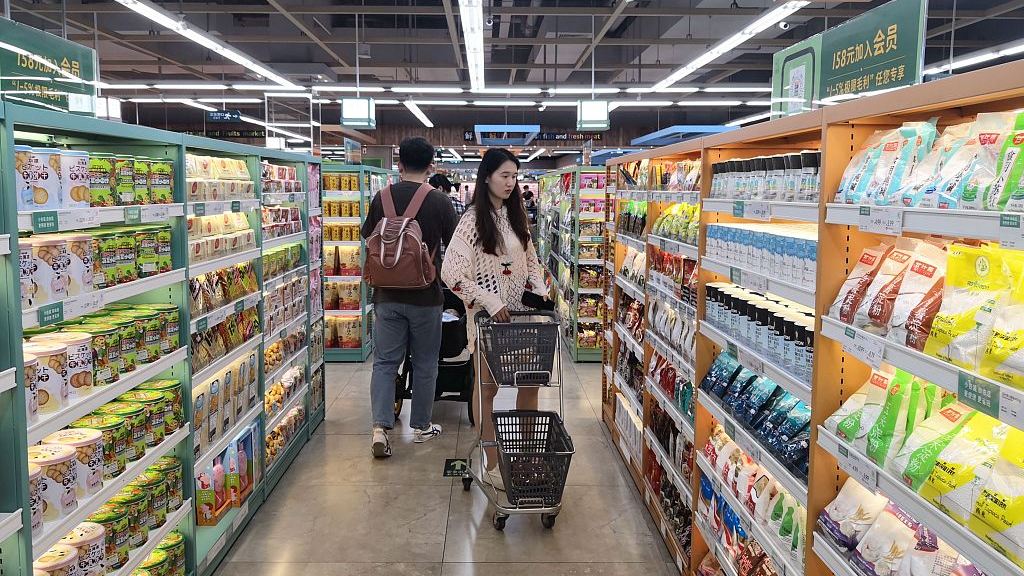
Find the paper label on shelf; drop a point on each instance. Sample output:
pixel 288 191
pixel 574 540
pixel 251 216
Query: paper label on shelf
pixel 239 306
pixel 199 209
pixel 133 214
pixel 1011 233
pixel 202 324
pixel 756 210
pixel 867 349
pixel 217 547
pixel 738 208
pixel 732 349
pixel 157 213
pixel 83 304
pixel 751 362
pixel 881 220
pixel 1011 408
pixel 242 513
pixel 50 313
pixel 730 429
pixel 978 393
pixel 748 445
pixel 858 467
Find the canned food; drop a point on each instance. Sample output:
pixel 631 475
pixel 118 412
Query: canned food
pixel 115 441
pixel 102 180
pixel 81 267
pixel 104 251
pixel 127 256
pixel 155 485
pixel 59 560
pixel 170 467
pixel 142 168
pixel 161 181
pixel 171 390
pixel 174 545
pixel 58 481
pixel 124 174
pixel 170 330
pixel 116 533
pixel 89 538
pixel 78 363
pixel 52 263
pixel 155 406
pixel 156 563
pixel 135 417
pixel 129 338
pixel 26 274
pixel 51 385
pixel 35 497
pixel 74 179
pixel 31 364
pixel 106 352
pixel 136 501
pixel 88 445
pixel 146 255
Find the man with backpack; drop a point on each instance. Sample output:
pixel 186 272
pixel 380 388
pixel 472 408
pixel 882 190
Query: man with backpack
pixel 405 227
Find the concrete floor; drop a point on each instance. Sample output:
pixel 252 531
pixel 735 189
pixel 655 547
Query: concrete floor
pixel 339 512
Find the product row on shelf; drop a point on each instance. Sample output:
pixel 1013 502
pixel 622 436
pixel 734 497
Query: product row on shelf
pixel 826 305
pixel 155 270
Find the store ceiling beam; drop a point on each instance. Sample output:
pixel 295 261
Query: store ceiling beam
pixel 605 27
pixel 453 33
pixel 305 30
pixel 963 20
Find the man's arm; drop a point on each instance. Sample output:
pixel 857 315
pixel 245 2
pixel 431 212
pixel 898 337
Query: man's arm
pixel 374 215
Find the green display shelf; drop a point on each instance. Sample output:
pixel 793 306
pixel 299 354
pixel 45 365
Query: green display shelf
pixel 281 465
pixel 317 417
pixel 348 354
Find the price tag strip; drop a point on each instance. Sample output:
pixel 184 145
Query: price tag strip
pixel 856 465
pixel 881 220
pixel 864 347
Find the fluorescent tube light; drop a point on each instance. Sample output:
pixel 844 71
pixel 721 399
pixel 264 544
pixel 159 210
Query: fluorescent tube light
pixel 566 103
pixel 418 113
pixel 509 90
pixel 739 89
pixel 675 89
pixel 333 88
pixel 709 103
pixel 504 103
pixel 749 119
pixel 534 156
pixel 442 102
pixel 195 104
pixel 203 86
pixel 761 102
pixel 471 14
pixel 455 154
pixel 295 95
pixel 640 104
pixel 230 100
pixel 259 122
pixel 294 124
pixel 582 90
pixel 263 87
pixel 108 86
pixel 295 140
pixel 427 89
pixel 384 102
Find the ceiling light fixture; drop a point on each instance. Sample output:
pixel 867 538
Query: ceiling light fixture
pixel 418 113
pixel 556 91
pixel 195 86
pixel 442 102
pixel 534 156
pixel 263 87
pixel 766 20
pixel 427 89
pixel 259 122
pixel 761 102
pixel 385 102
pixel 195 104
pixel 749 119
pixel 740 89
pixel 334 88
pixel 108 86
pixel 294 124
pixel 641 104
pixel 709 103
pixel 231 100
pixel 471 13
pixel 178 24
pixel 566 103
pixel 674 89
pixel 508 90
pixel 295 95
pixel 504 103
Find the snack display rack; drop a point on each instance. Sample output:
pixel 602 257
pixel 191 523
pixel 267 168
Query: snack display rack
pixel 842 355
pixel 572 241
pixel 348 186
pixel 22 126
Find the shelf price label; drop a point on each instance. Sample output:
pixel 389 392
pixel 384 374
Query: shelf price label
pixel 155 213
pixel 239 306
pixel 730 429
pixel 858 467
pixel 83 304
pixel 738 208
pixel 202 324
pixel 732 349
pixel 978 393
pixel 132 214
pixel 748 445
pixel 751 362
pixel 881 220
pixel 240 518
pixel 50 313
pixel 1011 234
pixel 199 208
pixel 867 349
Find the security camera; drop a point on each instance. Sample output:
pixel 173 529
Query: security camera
pixel 783 25
pixel 489 22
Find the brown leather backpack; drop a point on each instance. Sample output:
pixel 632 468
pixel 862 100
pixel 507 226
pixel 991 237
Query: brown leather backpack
pixel 396 256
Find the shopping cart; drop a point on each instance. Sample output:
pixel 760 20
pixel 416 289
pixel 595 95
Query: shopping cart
pixel 534 449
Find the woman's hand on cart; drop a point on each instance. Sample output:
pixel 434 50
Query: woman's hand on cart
pixel 501 316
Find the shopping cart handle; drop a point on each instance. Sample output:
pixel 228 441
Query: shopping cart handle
pixel 482 317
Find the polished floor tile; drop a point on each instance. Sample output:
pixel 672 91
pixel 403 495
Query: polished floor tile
pixel 330 569
pixel 554 569
pixel 344 459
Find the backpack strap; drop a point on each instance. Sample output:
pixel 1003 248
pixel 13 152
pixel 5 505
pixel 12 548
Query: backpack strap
pixel 417 201
pixel 388 202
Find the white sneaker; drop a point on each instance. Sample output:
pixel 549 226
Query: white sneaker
pixel 429 433
pixel 381 446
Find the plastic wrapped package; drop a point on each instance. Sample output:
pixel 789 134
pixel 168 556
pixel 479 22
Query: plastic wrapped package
pixel 999 510
pixel 921 188
pixel 885 544
pixel 916 459
pixel 904 408
pixel 964 466
pixel 890 272
pixel 852 291
pixel 848 517
pixel 919 297
pixel 1003 360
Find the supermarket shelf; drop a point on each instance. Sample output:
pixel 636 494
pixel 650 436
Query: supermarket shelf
pixel 609 266
pixel 270 243
pixel 345 312
pixel 661 397
pixel 276 470
pixel 630 288
pixel 752 446
pixel 757 363
pixel 288 363
pixel 837 561
pixel 590 261
pixel 223 262
pixel 590 240
pixel 634 403
pixel 228 436
pixel 609 302
pixel 960 223
pixel 8 380
pixel 288 328
pixel 286 277
pixel 715 547
pixel 634 243
pixel 317 416
pixel 763 209
pixel 986 558
pixel 316 212
pixel 50 423
pixel 343 278
pixel 10 524
pixel 1007 402
pixel 780 558
pixel 674 356
pixel 315 315
pixel 5 244
pixel 591 216
pixel 590 290
pixel 52 532
pixel 75 306
pixel 220 314
pixel 673 471
pixel 232 524
pixel 316 365
pixel 349 243
pixel 561 259
pixel 685 250
pixel 640 195
pixel 608 373
pixel 636 347
pixel 342 220
pixel 135 557
pixel 222 207
pixel 669 294
pixel 297 396
pixel 608 336
pixel 84 218
pixel 588 319
pixel 653 501
pixel 315 264
pixel 229 358
pixel 276 198
pixel 751 280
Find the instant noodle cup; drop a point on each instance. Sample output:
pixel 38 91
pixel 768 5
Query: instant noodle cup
pixel 52 263
pixel 104 253
pixel 81 268
pixel 106 352
pixel 88 445
pixel 116 533
pixel 155 485
pixel 142 168
pixel 26 273
pixel 161 180
pixel 148 333
pixel 102 181
pixel 146 252
pixel 35 497
pixel 129 338
pixel 171 468
pixel 171 390
pixel 114 430
pixel 156 563
pixel 170 328
pixel 74 179
pixel 174 545
pixel 58 481
pixel 59 560
pixel 127 256
pixel 156 408
pixel 31 364
pixel 51 386
pixel 135 418
pixel 136 501
pixel 89 538
pixel 124 179
pixel 164 260
pixel 78 367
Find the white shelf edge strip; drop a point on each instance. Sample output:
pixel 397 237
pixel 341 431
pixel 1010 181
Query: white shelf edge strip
pixel 271 243
pixel 222 262
pixel 292 402
pixel 630 288
pixel 8 380
pixel 228 436
pixel 10 524
pixel 636 347
pixel 230 357
pixel 688 251
pixel 138 555
pixel 776 209
pixel 217 316
pixel 634 402
pixel 795 387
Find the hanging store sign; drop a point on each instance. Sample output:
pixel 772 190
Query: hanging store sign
pixel 43 70
pixel 223 116
pixel 353 152
pixel 878 50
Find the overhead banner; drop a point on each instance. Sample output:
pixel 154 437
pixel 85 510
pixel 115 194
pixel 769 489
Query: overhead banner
pixel 44 70
pixel 878 50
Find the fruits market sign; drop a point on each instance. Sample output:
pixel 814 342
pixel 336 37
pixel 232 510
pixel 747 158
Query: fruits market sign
pixel 40 69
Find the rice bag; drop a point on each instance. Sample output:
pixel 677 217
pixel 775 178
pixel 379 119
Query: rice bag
pixel 856 175
pixel 884 546
pixel 854 418
pixel 884 285
pixel 929 557
pixel 890 429
pixel 848 517
pixel 915 460
pixel 852 291
pixel 964 466
pixel 897 161
pixel 968 171
pixel 920 188
pixel 918 298
pixel 975 287
pixel 1004 358
pixel 1005 193
pixel 999 511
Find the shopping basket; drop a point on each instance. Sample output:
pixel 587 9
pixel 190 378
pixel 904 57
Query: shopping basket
pixel 520 353
pixel 534 451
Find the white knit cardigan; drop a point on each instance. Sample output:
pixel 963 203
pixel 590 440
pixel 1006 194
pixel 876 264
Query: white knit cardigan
pixel 485 281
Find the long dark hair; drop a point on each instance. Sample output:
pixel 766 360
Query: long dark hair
pixel 483 209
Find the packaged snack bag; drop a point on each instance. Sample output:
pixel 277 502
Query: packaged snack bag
pixel 897 161
pixel 918 298
pixel 975 288
pixel 1005 191
pixel 902 411
pixel 886 281
pixel 964 466
pixel 858 414
pixel 852 291
pixel 884 545
pixel 848 517
pixel 915 460
pixel 921 189
pixel 999 509
pixel 1003 360
pixel 850 187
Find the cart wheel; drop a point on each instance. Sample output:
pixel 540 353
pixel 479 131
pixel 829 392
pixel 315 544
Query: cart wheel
pixel 467 483
pixel 548 520
pixel 499 521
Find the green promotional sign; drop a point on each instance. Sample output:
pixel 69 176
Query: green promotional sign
pixel 41 69
pixel 879 50
pixel 133 215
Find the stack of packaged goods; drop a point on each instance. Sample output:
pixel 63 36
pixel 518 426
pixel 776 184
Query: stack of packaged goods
pixel 222 401
pixel 219 235
pixel 785 252
pixel 675 507
pixel 213 179
pixel 280 183
pixel 280 221
pixel 791 177
pixel 227 480
pixel 279 438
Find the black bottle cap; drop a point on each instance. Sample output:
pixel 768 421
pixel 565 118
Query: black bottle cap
pixel 794 161
pixel 809 158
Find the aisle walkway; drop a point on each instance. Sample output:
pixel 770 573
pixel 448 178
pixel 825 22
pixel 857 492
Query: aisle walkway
pixel 339 512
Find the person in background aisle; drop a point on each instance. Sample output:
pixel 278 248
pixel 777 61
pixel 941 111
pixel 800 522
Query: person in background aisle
pixel 530 203
pixel 409 320
pixel 442 183
pixel 490 263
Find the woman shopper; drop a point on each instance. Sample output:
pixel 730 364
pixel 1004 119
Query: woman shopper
pixel 490 263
